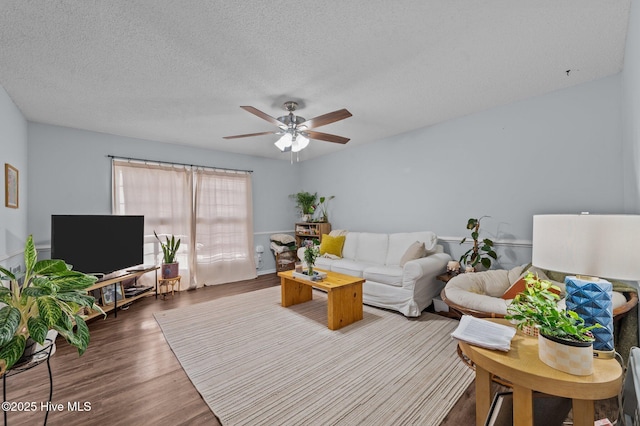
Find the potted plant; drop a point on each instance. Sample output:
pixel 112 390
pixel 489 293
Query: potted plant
pixel 311 253
pixel 305 203
pixel 563 334
pixel 481 253
pixel 170 268
pixel 324 216
pixel 50 297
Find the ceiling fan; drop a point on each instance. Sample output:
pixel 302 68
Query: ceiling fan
pixel 296 131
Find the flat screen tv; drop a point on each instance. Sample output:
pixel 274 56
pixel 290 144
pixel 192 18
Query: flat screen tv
pixel 98 244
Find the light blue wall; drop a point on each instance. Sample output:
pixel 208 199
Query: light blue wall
pixel 13 150
pixel 71 174
pixel 631 111
pixel 557 153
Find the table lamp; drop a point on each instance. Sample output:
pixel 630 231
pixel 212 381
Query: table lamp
pixel 589 246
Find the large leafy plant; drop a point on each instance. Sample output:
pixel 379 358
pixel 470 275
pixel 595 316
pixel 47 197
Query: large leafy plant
pixel 482 251
pixel 305 201
pixel 169 248
pixel 50 296
pixel 537 306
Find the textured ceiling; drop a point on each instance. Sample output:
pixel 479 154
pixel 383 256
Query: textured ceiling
pixel 177 71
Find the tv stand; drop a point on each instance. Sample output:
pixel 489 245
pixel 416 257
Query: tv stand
pixel 113 294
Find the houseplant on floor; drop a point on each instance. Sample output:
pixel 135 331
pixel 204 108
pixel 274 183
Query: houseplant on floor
pixel 481 252
pixel 563 333
pixel 170 268
pixel 49 298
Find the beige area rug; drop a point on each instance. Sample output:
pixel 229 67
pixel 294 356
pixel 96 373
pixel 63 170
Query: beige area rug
pixel 257 363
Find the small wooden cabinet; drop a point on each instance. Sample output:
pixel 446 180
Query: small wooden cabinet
pixel 310 231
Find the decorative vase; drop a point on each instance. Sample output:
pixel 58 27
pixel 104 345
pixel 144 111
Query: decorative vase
pixel 310 270
pixel 566 355
pixel 170 270
pixel 592 301
pixel 306 218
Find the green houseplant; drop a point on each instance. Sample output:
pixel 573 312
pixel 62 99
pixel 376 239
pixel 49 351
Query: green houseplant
pixel 481 252
pixel 170 268
pixel 49 298
pixel 564 341
pixel 311 253
pixel 324 215
pixel 537 306
pixel 305 203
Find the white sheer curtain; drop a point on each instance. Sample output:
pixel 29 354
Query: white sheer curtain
pixel 213 217
pixel 224 227
pixel 163 194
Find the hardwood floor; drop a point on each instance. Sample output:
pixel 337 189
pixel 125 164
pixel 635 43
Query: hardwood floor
pixel 130 376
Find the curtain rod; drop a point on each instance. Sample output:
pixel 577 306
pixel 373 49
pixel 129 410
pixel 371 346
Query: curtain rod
pixel 177 164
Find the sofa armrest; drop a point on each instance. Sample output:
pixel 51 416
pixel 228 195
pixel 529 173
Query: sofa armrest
pixel 429 267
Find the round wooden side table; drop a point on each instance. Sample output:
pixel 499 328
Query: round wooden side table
pixel 168 282
pixel 522 367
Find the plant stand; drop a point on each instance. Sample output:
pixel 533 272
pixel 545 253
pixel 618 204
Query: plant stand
pixel 166 282
pixel 36 359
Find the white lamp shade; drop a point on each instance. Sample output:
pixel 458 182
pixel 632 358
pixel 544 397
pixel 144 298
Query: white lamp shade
pixel 284 142
pixel 300 143
pixel 594 245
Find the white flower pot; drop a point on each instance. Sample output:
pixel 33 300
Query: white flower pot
pixel 571 357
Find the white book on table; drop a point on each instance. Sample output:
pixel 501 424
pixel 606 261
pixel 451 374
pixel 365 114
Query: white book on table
pixel 483 333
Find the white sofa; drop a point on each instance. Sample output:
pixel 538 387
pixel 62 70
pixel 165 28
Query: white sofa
pixel 376 257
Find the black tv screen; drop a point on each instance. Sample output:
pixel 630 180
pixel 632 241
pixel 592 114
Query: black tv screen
pixel 98 244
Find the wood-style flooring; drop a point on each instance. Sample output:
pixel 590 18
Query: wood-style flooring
pixel 130 376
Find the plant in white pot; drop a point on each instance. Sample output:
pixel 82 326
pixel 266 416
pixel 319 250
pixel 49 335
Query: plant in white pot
pixel 563 336
pixel 50 297
pixel 305 203
pixel 170 268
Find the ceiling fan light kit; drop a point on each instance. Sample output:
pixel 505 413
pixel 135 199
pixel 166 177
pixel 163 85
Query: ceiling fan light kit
pixel 296 131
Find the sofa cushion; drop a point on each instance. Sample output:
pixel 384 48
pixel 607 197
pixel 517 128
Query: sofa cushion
pixel 332 245
pixel 390 275
pixel 400 242
pixel 349 267
pixel 325 263
pixel 350 247
pixel 372 248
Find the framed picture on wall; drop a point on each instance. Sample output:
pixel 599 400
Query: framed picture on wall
pixel 10 186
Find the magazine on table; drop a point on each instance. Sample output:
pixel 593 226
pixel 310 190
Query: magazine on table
pixel 483 333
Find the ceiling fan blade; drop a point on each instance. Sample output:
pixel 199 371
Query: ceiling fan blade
pixel 249 135
pixel 325 137
pixel 261 114
pixel 325 119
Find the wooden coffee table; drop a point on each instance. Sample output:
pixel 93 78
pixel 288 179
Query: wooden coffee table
pixel 344 295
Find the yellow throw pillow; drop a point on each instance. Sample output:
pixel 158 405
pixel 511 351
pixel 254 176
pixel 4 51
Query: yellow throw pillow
pixel 332 245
